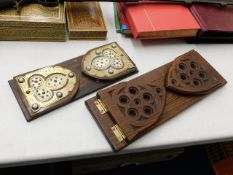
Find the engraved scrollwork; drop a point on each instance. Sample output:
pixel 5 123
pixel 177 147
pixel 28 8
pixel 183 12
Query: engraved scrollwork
pixel 86 13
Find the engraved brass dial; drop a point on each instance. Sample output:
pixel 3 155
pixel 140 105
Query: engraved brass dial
pixel 106 62
pixel 46 87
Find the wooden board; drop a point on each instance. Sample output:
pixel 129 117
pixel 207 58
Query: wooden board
pixel 175 102
pixel 87 85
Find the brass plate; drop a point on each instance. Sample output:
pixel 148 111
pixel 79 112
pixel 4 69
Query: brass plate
pixel 45 87
pixel 107 62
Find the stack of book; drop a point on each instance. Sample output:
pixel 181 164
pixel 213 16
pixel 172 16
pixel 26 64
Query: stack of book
pixel 197 22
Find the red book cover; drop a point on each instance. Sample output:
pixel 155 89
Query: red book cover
pixel 216 21
pixel 161 21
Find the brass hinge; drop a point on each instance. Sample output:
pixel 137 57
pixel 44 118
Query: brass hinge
pixel 118 133
pixel 101 106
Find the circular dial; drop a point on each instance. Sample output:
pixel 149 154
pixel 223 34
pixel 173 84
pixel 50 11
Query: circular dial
pixel 117 63
pixel 109 53
pixel 101 63
pixel 43 94
pixel 56 81
pixel 36 81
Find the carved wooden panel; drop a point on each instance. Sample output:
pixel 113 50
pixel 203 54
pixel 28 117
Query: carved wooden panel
pixel 134 106
pixel 128 110
pixel 191 74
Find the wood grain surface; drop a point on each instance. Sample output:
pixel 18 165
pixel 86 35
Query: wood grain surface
pixel 85 20
pixel 134 126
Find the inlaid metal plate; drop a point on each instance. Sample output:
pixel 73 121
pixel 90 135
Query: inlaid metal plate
pixel 106 62
pixel 47 87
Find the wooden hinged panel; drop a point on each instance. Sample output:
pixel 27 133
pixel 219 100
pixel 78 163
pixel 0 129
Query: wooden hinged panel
pixel 121 125
pixel 134 105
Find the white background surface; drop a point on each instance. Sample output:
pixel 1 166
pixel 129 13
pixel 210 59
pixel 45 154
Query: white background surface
pixel 70 132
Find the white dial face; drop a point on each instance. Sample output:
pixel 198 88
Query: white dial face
pixel 117 63
pixel 109 53
pixel 56 81
pixel 107 60
pixel 101 63
pixel 36 81
pixel 43 94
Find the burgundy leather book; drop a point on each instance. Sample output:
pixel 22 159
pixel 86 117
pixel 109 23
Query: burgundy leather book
pixel 216 22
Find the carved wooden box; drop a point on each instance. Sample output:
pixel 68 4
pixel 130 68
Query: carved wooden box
pixel 85 20
pixel 34 22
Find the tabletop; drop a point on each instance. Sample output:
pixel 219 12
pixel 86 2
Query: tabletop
pixel 70 132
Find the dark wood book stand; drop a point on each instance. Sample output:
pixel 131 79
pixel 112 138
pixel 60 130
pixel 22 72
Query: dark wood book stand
pixel 128 110
pixel 46 89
